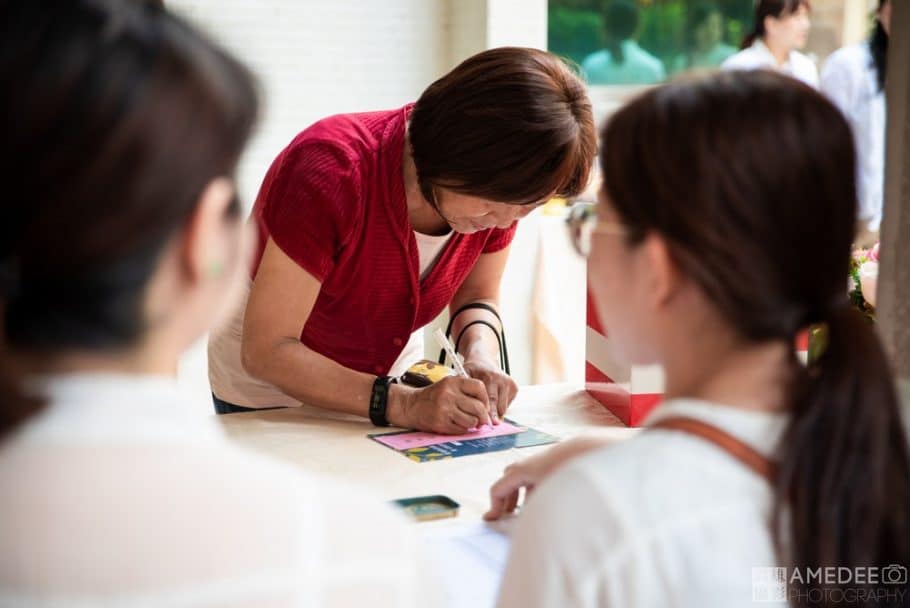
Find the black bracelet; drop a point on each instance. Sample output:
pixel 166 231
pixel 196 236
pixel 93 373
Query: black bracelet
pixel 501 335
pixel 477 322
pixel 379 400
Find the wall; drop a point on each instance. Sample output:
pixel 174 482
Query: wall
pixel 313 59
pixel 316 58
pixel 837 23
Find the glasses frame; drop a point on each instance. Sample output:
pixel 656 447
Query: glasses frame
pixel 583 223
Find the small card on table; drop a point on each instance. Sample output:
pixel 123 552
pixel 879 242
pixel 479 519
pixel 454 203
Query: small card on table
pixel 424 447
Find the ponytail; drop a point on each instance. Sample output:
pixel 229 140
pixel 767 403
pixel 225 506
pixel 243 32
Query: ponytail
pixel 750 38
pixel 844 480
pixel 762 10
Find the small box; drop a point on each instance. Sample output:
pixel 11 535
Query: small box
pixel 629 391
pixel 428 508
pixel 425 373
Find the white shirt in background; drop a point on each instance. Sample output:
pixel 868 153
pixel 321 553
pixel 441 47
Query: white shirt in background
pixel 664 519
pixel 118 495
pixel 758 57
pixel 850 81
pixel 638 66
pixel 231 382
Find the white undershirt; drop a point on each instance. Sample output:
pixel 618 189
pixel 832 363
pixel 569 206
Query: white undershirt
pixel 758 56
pixel 429 248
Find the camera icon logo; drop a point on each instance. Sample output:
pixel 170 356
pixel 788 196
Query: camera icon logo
pixel 894 575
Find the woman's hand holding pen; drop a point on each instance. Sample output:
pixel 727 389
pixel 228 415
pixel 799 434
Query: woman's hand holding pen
pixel 452 406
pixel 500 387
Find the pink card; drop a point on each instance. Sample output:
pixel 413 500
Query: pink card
pixel 417 439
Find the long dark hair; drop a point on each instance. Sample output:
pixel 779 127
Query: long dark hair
pixel 739 203
pixel 770 8
pixel 118 116
pixel 878 45
pixel 510 124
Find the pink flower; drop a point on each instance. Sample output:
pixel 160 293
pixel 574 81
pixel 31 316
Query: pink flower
pixel 873 254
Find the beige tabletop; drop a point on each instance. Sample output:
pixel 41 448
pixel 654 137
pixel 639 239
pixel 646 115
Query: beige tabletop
pixel 337 444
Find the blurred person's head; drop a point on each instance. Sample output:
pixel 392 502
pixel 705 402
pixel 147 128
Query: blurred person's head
pixel 722 235
pixel 122 229
pixel 503 132
pixel 780 24
pixel 704 27
pixel 620 24
pixel 878 41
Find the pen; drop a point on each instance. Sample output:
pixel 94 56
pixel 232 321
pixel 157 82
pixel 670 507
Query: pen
pixel 447 346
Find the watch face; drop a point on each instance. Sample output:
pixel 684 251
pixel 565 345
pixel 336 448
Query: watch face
pixel 379 400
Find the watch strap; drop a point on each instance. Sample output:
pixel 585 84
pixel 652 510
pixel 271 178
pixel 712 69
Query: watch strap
pixel 379 400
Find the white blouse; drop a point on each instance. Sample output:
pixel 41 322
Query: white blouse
pixel 118 495
pixel 849 79
pixel 758 57
pixel 664 519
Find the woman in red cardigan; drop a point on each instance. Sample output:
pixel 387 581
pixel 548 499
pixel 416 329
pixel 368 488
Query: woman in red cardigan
pixel 371 224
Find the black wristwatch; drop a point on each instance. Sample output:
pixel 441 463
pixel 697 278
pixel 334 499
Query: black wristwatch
pixel 379 400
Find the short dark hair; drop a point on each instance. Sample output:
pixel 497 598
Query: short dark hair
pixel 512 125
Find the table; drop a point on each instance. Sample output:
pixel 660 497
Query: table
pixel 335 444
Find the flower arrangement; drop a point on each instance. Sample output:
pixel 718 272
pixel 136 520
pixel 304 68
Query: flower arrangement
pixel 861 288
pixel 864 280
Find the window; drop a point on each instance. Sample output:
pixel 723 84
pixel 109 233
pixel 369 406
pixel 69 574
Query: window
pixel 617 42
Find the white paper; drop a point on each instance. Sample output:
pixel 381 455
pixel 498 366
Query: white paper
pixel 469 560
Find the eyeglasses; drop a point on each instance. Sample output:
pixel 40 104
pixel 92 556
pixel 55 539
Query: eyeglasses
pixel 583 224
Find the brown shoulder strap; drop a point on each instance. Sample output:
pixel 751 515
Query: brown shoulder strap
pixel 728 443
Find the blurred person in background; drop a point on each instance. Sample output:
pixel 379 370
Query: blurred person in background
pixel 623 61
pixel 704 39
pixel 780 29
pixel 854 79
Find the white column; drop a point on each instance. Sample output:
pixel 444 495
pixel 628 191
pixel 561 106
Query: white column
pixel 477 25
